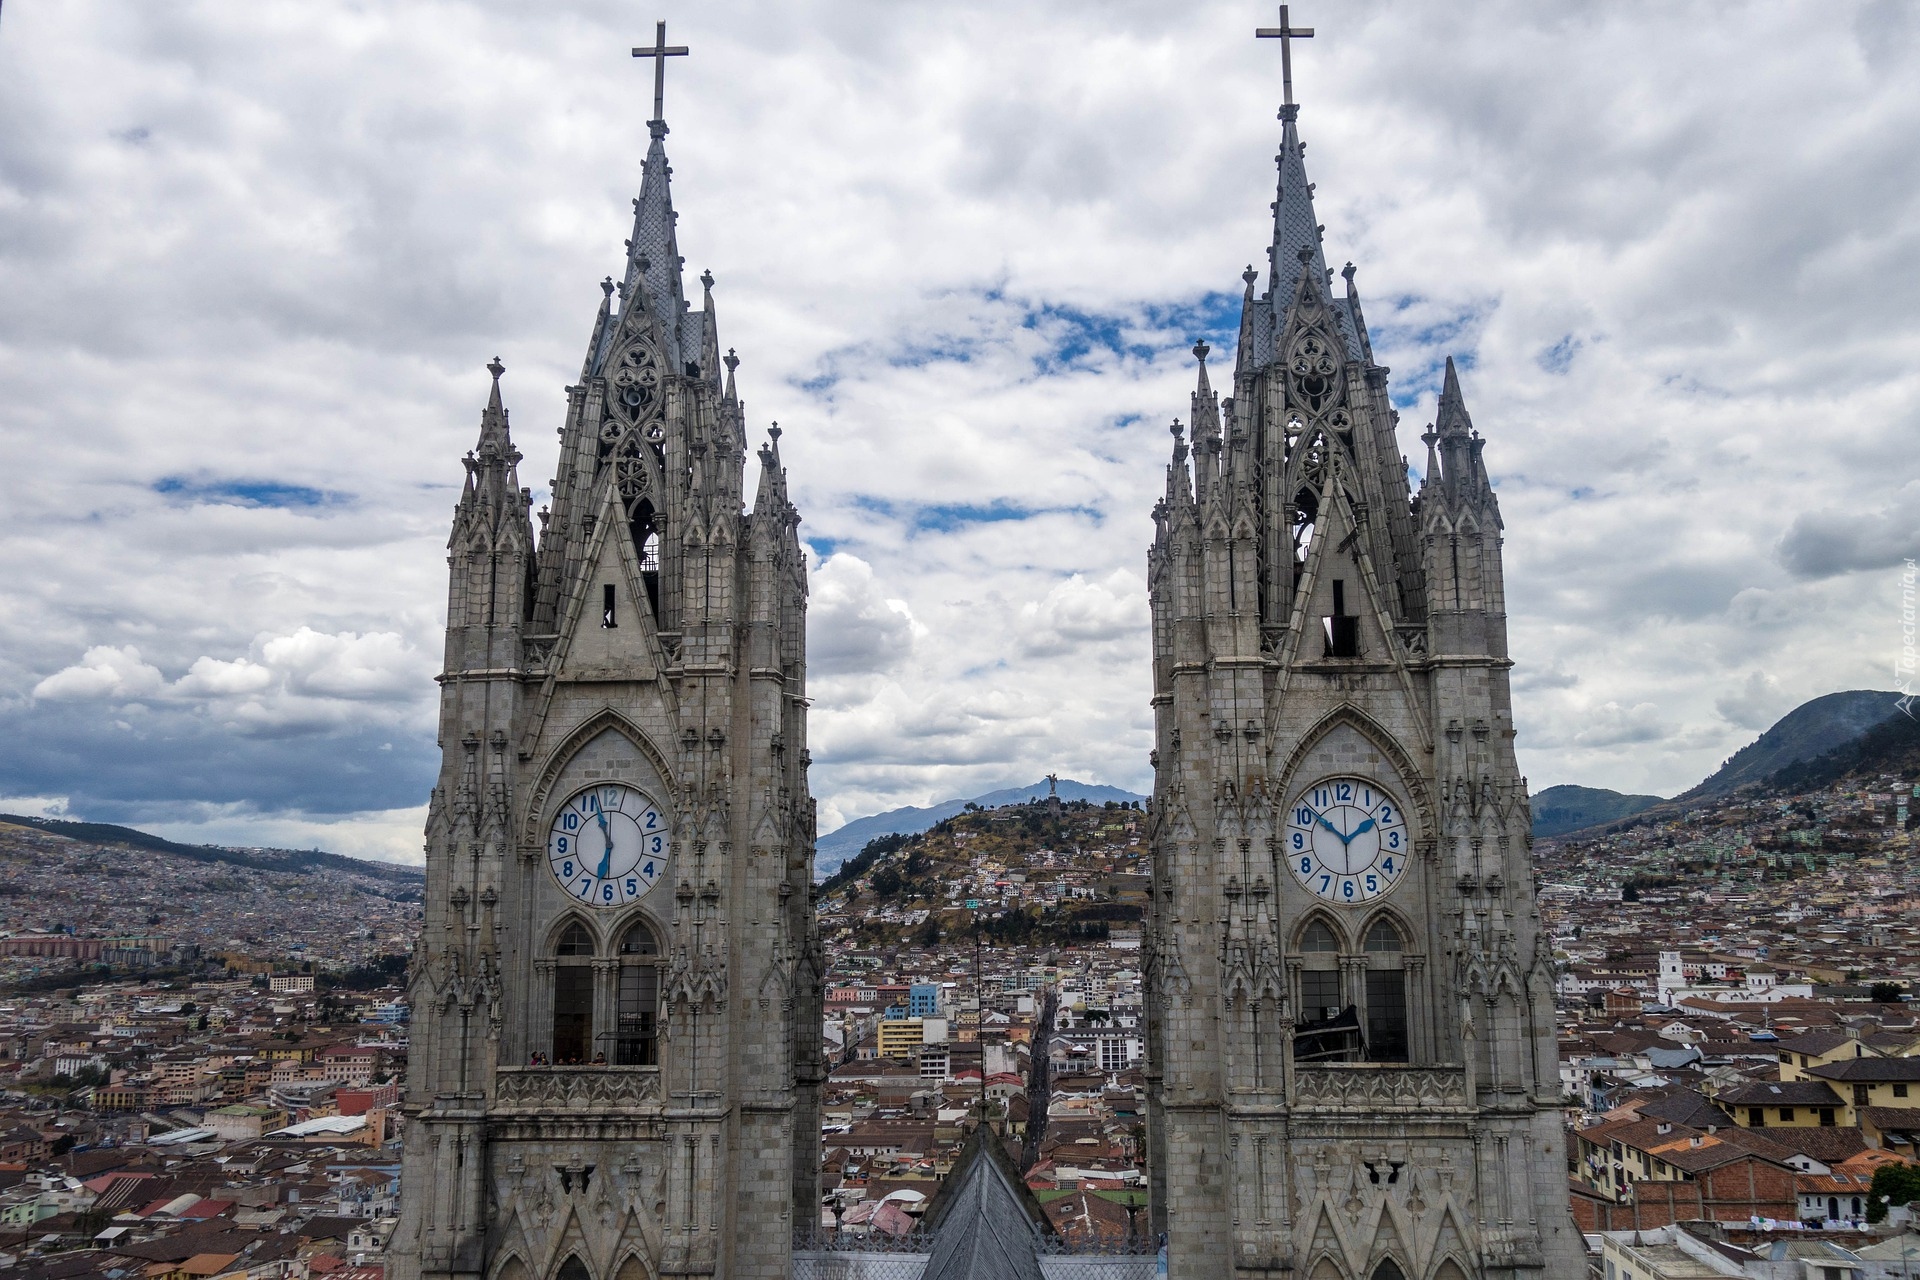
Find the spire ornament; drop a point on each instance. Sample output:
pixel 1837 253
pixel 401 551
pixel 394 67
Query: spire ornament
pixel 1285 33
pixel 661 51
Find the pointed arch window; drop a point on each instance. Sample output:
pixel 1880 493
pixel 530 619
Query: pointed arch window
pixel 572 1269
pixel 636 1038
pixel 1325 1029
pixel 573 995
pixel 645 527
pixel 1386 993
pixel 1388 1270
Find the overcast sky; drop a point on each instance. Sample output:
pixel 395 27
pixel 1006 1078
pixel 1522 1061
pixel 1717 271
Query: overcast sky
pixel 254 257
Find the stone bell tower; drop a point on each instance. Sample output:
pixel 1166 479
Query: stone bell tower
pixel 1352 1067
pixel 615 1062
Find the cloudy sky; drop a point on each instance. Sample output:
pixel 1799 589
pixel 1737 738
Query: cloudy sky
pixel 254 256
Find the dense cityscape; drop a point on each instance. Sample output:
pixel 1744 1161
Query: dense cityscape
pixel 199 1082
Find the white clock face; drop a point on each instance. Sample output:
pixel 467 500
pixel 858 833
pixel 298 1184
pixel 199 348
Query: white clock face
pixel 608 846
pixel 1346 840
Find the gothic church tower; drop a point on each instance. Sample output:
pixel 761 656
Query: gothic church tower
pixel 615 1062
pixel 1352 1067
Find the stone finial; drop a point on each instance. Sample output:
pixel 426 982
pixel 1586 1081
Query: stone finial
pixel 730 360
pixel 1201 350
pixel 496 368
pixel 606 286
pixel 773 432
pixel 1249 275
pixel 1176 430
pixel 706 280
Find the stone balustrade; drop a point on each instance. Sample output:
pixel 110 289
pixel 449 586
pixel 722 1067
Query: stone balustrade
pixel 592 1088
pixel 1378 1086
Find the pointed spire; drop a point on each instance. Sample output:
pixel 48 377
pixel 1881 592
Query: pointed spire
pixel 596 345
pixel 1452 418
pixel 1353 313
pixel 1247 360
pixel 653 253
pixel 1454 431
pixel 771 496
pixel 494 439
pixel 1179 487
pixel 710 334
pixel 1294 227
pixel 493 483
pixel 1206 409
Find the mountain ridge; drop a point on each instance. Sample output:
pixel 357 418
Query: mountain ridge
pixel 261 859
pixel 1814 745
pixel 834 848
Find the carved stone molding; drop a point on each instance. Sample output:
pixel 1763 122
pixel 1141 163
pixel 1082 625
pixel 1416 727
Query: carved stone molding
pixel 1377 1086
pixel 575 1088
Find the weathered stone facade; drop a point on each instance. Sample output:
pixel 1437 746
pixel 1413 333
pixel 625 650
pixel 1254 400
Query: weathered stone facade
pixel 628 1086
pixel 1352 1069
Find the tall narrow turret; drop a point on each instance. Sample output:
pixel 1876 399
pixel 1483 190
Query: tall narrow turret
pixel 616 998
pixel 1351 1065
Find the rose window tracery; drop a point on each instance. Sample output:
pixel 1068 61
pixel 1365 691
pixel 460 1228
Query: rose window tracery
pixel 636 382
pixel 1314 372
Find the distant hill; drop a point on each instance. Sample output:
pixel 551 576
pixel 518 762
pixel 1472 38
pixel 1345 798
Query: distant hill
pixel 837 846
pixel 1892 746
pixel 1810 730
pixel 1566 808
pixel 260 859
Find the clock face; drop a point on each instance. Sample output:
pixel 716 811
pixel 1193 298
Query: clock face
pixel 1346 840
pixel 608 845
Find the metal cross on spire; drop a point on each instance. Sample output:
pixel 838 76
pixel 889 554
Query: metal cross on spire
pixel 1284 33
pixel 661 51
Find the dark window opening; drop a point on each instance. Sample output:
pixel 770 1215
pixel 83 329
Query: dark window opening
pixel 1388 1270
pixel 1826 1117
pixel 1757 1117
pixel 573 996
pixel 1386 994
pixel 572 1269
pixel 608 618
pixel 1343 630
pixel 1786 1115
pixel 572 1013
pixel 636 1040
pixel 1387 1015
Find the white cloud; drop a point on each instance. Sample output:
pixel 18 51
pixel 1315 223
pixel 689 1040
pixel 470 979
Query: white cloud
pixel 255 259
pixel 851 626
pixel 104 672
